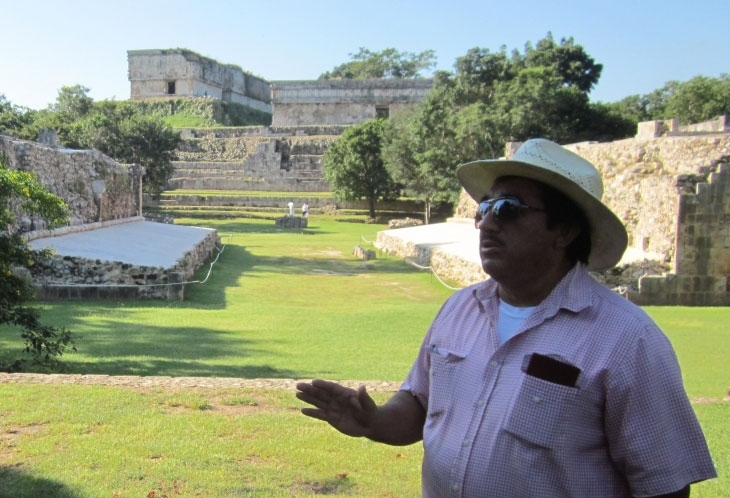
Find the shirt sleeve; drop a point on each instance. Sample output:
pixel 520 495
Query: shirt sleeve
pixel 653 435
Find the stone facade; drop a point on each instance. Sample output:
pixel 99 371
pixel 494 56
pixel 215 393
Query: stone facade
pixel 181 72
pixel 95 187
pixel 342 102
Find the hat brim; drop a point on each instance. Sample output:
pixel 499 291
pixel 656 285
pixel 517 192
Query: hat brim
pixel 608 234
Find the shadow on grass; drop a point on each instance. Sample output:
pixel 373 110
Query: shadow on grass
pixel 16 483
pixel 121 348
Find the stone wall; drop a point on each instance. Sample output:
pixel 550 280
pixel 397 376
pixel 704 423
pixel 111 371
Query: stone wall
pixel 342 102
pixel 95 187
pixel 152 71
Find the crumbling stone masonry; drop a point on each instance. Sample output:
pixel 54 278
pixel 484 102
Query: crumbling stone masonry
pixel 95 187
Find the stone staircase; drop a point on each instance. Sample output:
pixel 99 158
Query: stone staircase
pixel 251 158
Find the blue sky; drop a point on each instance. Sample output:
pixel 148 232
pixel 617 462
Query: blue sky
pixel 641 44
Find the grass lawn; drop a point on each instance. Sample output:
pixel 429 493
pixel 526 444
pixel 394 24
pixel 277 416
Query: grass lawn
pixel 280 303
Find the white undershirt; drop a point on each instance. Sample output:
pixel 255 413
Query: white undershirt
pixel 510 319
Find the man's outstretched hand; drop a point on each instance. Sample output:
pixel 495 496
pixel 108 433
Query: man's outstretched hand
pixel 349 411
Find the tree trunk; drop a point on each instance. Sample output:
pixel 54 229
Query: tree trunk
pixel 427 213
pixel 371 205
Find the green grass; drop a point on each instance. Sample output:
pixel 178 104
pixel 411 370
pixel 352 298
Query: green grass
pixel 280 303
pixel 80 441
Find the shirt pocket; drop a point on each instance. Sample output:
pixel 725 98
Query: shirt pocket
pixel 539 411
pixel 444 374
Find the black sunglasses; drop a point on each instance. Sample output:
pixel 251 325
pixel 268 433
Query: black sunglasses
pixel 503 208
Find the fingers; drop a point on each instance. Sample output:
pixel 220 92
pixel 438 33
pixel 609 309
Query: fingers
pixel 314 413
pixel 366 402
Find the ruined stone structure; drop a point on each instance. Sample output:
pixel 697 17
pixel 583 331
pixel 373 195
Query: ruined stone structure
pixel 99 192
pixel 95 187
pixel 673 194
pixel 180 72
pixel 342 102
pixel 183 73
pixel 276 159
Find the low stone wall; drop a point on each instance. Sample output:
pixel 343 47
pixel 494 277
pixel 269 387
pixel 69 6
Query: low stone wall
pixel 291 222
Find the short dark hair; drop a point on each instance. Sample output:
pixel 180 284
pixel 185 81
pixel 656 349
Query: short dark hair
pixel 561 210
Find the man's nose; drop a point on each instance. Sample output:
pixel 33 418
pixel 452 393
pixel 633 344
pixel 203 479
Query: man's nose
pixel 488 221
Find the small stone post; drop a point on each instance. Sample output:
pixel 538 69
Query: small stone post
pixel 175 287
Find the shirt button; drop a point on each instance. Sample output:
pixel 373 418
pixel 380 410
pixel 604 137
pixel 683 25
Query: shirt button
pixel 494 363
pixel 465 443
pixel 536 399
pixel 455 487
pixel 480 403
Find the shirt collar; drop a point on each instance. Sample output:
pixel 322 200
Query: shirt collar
pixel 572 293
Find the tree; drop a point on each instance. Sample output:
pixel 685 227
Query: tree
pixel 353 165
pixel 699 99
pixel 43 343
pixel 120 131
pixel 390 63
pixel 493 98
pixel 15 120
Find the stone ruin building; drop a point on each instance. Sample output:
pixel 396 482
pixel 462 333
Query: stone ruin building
pixel 183 73
pixel 343 102
pixel 101 194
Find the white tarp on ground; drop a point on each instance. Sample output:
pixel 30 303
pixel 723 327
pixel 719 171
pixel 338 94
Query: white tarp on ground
pixel 141 243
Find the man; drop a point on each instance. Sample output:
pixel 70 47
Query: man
pixel 538 381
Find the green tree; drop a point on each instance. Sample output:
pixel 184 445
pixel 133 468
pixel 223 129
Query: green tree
pixel 118 130
pixel 16 120
pixel 390 63
pixel 353 165
pixel 44 344
pixel 493 98
pixel 699 99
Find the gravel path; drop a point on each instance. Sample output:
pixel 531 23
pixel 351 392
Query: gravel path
pixel 179 382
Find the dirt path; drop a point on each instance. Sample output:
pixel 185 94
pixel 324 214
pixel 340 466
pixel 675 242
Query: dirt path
pixel 178 382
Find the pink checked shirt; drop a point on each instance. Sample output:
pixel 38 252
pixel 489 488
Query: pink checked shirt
pixel 626 428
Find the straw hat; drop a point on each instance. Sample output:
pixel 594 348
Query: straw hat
pixel 547 162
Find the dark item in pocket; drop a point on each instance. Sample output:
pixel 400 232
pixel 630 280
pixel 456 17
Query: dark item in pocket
pixel 552 370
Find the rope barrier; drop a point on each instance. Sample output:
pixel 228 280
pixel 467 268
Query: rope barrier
pixel 210 270
pixel 434 273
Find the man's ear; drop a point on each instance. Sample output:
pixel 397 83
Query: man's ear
pixel 566 234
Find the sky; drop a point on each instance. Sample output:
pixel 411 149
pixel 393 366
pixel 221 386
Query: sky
pixel 642 44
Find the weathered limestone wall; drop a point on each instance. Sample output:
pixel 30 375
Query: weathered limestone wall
pixel 643 179
pixel 342 102
pixel 701 273
pixel 150 71
pixel 95 187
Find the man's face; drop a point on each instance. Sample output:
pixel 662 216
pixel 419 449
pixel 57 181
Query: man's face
pixel 517 249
